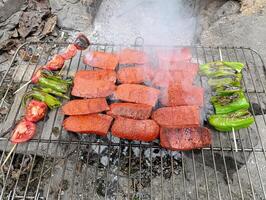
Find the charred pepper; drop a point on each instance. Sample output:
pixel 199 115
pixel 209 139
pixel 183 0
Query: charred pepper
pixel 237 120
pixel 50 100
pixel 229 103
pixel 226 80
pixel 50 91
pixel 221 68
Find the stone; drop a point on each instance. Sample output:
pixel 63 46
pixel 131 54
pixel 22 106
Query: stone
pixel 75 14
pixel 9 7
pixel 229 8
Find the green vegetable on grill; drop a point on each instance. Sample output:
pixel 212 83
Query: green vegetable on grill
pixel 227 89
pixel 235 120
pixel 229 103
pixel 50 91
pixel 50 100
pixel 226 80
pixel 221 68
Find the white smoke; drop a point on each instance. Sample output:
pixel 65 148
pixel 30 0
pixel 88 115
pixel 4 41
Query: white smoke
pixel 165 22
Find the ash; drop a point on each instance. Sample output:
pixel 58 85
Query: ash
pixel 135 162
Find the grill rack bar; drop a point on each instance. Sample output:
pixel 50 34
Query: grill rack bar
pixel 200 160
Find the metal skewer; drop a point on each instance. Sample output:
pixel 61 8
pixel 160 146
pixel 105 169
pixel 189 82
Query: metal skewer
pixel 233 130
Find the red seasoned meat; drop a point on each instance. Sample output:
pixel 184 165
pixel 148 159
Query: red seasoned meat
pixel 85 106
pixel 177 117
pixel 105 75
pixel 182 95
pixel 131 56
pixel 164 78
pixel 92 88
pixel 131 129
pixel 93 123
pixel 169 56
pixel 130 110
pixel 101 60
pixel 185 139
pixel 141 74
pixel 137 94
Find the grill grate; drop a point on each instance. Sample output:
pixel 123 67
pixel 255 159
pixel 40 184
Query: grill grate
pixel 61 165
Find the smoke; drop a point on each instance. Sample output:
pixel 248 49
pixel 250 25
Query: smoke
pixel 164 22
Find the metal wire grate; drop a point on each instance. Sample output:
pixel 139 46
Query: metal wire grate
pixel 61 165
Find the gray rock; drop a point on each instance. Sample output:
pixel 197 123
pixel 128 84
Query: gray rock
pixel 57 5
pixel 229 8
pixel 10 7
pixel 74 14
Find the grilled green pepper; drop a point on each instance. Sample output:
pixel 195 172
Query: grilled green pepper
pixel 53 84
pixel 229 103
pixel 237 120
pixel 221 68
pixel 50 100
pixel 50 91
pixel 226 80
pixel 58 79
pixel 227 89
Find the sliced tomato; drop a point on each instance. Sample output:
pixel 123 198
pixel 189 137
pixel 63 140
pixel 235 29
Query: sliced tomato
pixel 35 111
pixel 81 42
pixel 70 52
pixel 36 75
pixel 55 64
pixel 24 131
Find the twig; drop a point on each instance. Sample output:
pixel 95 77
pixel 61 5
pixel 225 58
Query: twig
pixel 8 155
pixel 22 87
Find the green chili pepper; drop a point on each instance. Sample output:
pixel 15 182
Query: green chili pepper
pixel 221 68
pixel 227 89
pixel 50 91
pixel 50 100
pixel 230 80
pixel 237 120
pixel 229 103
pixel 59 79
pixel 55 85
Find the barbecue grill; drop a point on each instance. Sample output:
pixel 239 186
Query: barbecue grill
pixel 61 165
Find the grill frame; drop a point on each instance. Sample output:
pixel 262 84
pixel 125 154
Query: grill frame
pixel 208 54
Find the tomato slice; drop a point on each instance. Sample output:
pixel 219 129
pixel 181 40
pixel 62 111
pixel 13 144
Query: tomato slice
pixel 81 42
pixel 24 131
pixel 55 64
pixel 70 52
pixel 35 111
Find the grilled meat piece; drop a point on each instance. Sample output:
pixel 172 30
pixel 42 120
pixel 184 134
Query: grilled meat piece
pixel 141 74
pixel 185 139
pixel 137 94
pixel 93 123
pixel 85 106
pixel 101 60
pixel 182 95
pixel 168 56
pixel 105 75
pixel 92 88
pixel 131 56
pixel 164 77
pixel 177 117
pixel 131 129
pixel 130 110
